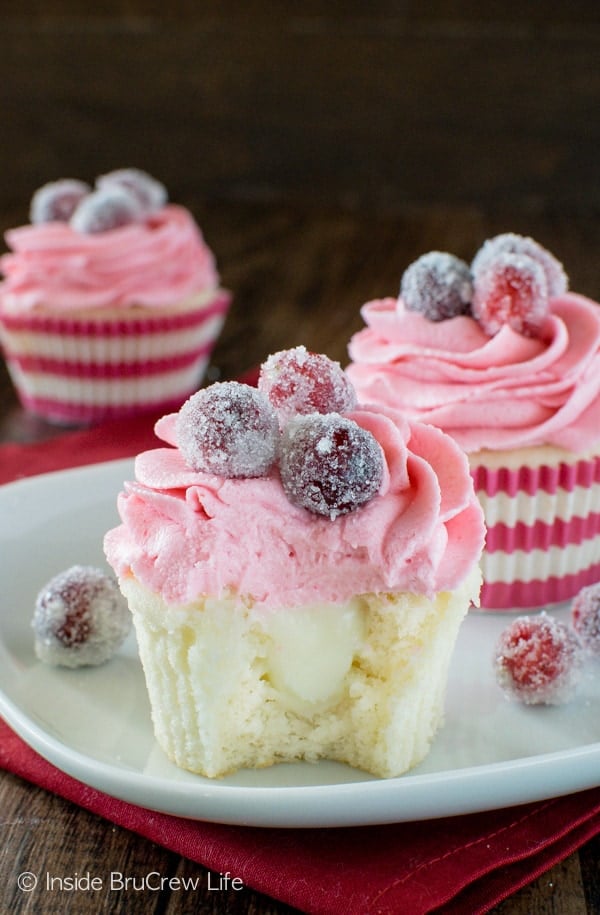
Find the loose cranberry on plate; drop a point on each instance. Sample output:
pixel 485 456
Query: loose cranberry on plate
pixel 80 618
pixel 585 616
pixel 538 660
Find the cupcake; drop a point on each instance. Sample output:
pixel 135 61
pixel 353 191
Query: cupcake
pixel 110 301
pixel 499 355
pixel 297 575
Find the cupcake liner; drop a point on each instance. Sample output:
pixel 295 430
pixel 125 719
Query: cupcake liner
pixel 83 369
pixel 543 530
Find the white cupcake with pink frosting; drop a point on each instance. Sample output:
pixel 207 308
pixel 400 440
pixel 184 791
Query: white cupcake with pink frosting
pixel 297 568
pixel 503 358
pixel 110 302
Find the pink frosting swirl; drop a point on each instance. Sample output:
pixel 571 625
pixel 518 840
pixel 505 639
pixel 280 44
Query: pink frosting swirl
pixel 154 263
pixel 500 392
pixel 185 534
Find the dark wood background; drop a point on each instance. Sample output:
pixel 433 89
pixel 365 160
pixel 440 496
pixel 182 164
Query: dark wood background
pixel 379 104
pixel 321 146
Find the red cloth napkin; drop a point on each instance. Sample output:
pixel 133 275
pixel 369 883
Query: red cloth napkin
pixel 452 865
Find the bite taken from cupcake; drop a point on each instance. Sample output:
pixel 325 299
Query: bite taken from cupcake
pixel 297 566
pixel 499 354
pixel 110 300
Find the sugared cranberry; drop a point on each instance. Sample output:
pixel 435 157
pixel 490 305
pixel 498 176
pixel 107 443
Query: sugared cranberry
pixel 297 381
pixel 57 200
pixel 102 210
pixel 538 660
pixel 511 243
pixel 329 464
pixel 585 616
pixel 511 290
pixel 229 429
pixel 438 285
pixel 150 193
pixel 80 618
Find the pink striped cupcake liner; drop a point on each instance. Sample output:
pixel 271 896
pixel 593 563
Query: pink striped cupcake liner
pixel 543 531
pixel 84 369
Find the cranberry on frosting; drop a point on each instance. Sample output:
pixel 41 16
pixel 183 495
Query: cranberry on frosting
pixel 438 285
pixel 520 369
pixel 151 194
pixel 120 197
pixel 229 429
pixel 511 289
pixel 355 502
pixel 56 201
pixel 509 282
pixel 105 209
pixel 512 243
pixel 298 381
pixel 329 464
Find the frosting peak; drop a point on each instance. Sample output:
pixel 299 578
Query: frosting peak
pixel 499 392
pixel 158 261
pixel 186 533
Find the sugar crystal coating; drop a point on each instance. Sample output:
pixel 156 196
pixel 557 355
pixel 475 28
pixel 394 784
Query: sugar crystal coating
pixel 150 193
pixel 80 618
pixel 106 209
pixel 438 285
pixel 512 289
pixel 57 200
pixel 297 381
pixel 538 660
pixel 229 429
pixel 512 243
pixel 329 464
pixel 585 616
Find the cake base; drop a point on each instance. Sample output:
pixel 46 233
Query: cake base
pixel 361 683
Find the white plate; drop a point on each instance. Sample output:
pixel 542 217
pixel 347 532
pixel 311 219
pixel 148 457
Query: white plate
pixel 95 724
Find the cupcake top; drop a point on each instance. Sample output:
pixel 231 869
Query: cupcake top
pixel 118 244
pixel 321 506
pixel 498 354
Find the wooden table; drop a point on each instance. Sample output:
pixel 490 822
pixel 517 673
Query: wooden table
pixel 299 276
